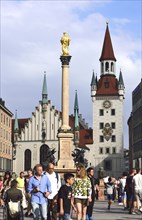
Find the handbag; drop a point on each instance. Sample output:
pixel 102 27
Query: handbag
pixel 14 208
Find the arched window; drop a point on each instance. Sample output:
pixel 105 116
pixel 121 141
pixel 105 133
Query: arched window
pixel 102 67
pixel 107 66
pixel 44 150
pixel 27 159
pixel 112 67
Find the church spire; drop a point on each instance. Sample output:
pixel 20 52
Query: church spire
pixel 76 106
pixel 44 91
pixel 121 82
pixel 16 126
pixel 107 58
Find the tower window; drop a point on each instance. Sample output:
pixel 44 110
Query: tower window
pixel 106 66
pixel 102 66
pixel 113 138
pixel 101 125
pixel 112 67
pixel 114 150
pixel 106 84
pixel 100 150
pixel 101 112
pixel 101 138
pixel 107 150
pixel 108 165
pixel 112 111
pixel 113 125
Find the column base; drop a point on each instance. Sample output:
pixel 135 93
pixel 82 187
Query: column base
pixel 65 151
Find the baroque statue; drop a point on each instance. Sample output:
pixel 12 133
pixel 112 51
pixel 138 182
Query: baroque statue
pixel 65 41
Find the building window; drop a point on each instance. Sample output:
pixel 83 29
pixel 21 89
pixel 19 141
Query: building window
pixel 106 84
pixel 107 67
pixel 101 125
pixel 107 150
pixel 102 65
pixel 112 111
pixel 114 150
pixel 44 150
pixel 100 150
pixel 113 125
pixel 27 160
pixel 107 165
pixel 112 67
pixel 101 112
pixel 101 138
pixel 113 138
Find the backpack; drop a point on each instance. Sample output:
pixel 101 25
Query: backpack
pixel 14 208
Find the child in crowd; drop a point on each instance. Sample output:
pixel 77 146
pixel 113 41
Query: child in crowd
pixel 65 197
pixel 109 190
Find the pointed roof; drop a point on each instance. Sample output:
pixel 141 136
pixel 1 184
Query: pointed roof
pixel 121 82
pixel 76 106
pixel 44 88
pixel 93 81
pixel 107 51
pixel 16 126
pixel 76 125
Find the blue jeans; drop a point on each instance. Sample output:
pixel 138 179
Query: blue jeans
pixel 66 216
pixel 89 217
pixel 39 208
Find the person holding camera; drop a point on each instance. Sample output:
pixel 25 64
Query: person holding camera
pixel 40 188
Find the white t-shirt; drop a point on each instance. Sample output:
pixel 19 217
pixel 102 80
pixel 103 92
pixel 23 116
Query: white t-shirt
pixel 137 180
pixel 55 184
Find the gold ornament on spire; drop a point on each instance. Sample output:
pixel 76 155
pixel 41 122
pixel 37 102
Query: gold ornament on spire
pixel 65 41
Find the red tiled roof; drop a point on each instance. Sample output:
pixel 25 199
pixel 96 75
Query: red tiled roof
pixel 107 51
pixel 85 137
pixel 112 83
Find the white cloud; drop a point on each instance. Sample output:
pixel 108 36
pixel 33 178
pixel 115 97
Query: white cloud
pixel 31 32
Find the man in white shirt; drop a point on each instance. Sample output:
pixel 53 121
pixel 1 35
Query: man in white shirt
pixel 137 180
pixel 55 186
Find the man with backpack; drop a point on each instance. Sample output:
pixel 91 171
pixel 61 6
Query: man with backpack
pixel 55 181
pixel 13 199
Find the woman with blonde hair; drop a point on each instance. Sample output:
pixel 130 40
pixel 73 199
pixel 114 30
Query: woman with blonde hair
pixel 81 191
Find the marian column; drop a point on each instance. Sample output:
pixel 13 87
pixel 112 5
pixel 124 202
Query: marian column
pixel 65 135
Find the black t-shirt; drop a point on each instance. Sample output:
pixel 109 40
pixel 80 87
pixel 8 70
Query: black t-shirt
pixel 129 184
pixel 65 193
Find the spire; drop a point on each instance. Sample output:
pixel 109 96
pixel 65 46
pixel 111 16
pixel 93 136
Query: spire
pixel 76 125
pixel 16 126
pixel 44 90
pixel 93 81
pixel 76 106
pixel 121 82
pixel 107 51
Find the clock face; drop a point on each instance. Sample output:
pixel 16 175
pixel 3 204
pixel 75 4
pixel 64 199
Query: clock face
pixel 107 104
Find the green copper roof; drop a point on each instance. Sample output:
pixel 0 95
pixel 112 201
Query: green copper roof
pixel 44 91
pixel 93 82
pixel 16 126
pixel 121 82
pixel 44 88
pixel 76 121
pixel 76 106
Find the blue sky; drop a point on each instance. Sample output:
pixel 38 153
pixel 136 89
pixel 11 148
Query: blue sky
pixel 30 44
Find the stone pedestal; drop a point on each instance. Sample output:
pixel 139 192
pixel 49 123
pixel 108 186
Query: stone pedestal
pixel 65 151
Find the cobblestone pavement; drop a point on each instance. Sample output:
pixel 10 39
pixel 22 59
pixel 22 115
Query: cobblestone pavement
pixel 101 213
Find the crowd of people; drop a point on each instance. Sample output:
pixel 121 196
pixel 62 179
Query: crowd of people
pixel 45 194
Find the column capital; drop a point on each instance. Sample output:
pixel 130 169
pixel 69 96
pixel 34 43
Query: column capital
pixel 65 60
